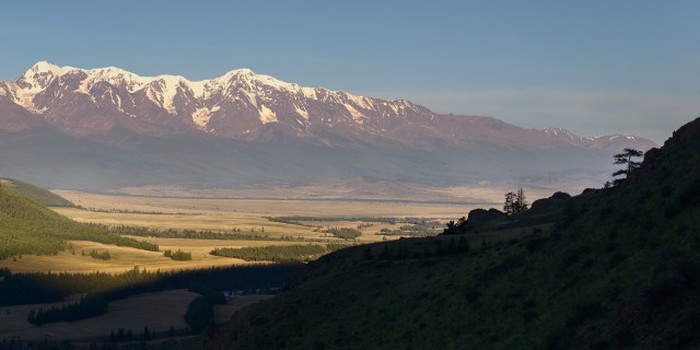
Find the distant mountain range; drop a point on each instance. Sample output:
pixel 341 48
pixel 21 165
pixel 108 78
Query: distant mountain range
pixel 149 127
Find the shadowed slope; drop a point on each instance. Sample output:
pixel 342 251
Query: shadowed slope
pixel 620 269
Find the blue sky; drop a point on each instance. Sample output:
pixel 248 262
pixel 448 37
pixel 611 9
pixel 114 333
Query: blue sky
pixel 593 66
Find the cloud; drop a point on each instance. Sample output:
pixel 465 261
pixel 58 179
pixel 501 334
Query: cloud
pixel 654 116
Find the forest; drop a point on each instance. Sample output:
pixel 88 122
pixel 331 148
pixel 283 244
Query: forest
pixel 98 289
pixel 234 235
pixel 282 254
pixel 30 228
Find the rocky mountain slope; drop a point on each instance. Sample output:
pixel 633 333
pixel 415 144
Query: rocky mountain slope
pixel 237 119
pixel 618 269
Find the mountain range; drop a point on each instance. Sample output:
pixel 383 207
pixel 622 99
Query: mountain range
pixel 244 128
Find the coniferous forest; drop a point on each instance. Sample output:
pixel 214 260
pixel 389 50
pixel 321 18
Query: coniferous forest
pixel 101 288
pixel 30 228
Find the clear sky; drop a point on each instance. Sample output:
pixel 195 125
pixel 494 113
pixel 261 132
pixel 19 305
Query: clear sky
pixel 594 66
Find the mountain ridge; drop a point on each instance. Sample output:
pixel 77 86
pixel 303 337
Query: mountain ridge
pixel 106 128
pixel 241 104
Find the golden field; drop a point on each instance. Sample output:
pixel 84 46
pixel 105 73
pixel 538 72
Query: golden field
pixel 246 216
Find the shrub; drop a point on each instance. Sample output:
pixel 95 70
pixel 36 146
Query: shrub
pixel 100 255
pixel 200 314
pixel 273 253
pixel 344 232
pixel 181 255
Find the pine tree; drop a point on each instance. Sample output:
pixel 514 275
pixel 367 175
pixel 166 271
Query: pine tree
pixel 508 206
pixel 515 202
pixel 520 204
pixel 626 157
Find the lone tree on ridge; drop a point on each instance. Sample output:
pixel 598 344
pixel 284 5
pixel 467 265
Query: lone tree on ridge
pixel 515 202
pixel 626 157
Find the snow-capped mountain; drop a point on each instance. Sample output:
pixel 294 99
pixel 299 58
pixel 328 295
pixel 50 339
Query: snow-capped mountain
pixel 244 105
pixel 238 104
pixel 67 127
pixel 613 142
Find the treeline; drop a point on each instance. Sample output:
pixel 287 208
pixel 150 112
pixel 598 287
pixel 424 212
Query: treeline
pixel 12 245
pixel 88 307
pixel 36 288
pixel 343 232
pixel 178 255
pixel 288 253
pixel 386 220
pixel 199 315
pixel 143 340
pixel 101 288
pixel 130 211
pixel 53 242
pixel 234 235
pixel 128 335
pixel 104 255
pixel 424 229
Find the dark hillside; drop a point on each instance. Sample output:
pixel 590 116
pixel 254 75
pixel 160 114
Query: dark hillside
pixel 26 227
pixel 543 211
pixel 620 268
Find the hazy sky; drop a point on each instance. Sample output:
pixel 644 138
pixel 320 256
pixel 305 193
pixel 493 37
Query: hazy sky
pixel 591 66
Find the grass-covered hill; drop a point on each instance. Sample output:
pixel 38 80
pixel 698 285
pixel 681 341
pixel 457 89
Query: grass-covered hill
pixel 620 269
pixel 27 227
pixel 38 194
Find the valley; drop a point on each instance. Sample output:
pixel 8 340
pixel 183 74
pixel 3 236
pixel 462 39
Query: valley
pixel 126 241
pixel 336 176
pixel 243 222
pixel 196 225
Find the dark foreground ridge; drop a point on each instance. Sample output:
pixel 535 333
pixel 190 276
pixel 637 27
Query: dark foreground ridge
pixel 617 268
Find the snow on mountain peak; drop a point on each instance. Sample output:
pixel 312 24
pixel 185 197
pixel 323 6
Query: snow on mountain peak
pixel 115 76
pixel 560 131
pixel 243 104
pixel 46 67
pixel 247 75
pixel 270 99
pixel 253 79
pixel 163 88
pixel 40 75
pixel 240 71
pixel 35 80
